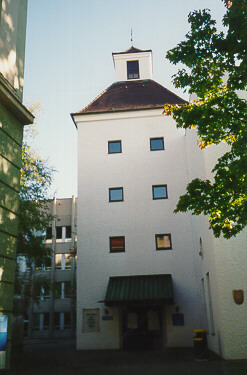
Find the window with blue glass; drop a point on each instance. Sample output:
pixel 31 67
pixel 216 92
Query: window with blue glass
pixel 156 144
pixel 116 194
pixel 114 147
pixel 159 191
pixel 133 69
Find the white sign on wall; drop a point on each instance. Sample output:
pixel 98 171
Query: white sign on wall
pixel 90 320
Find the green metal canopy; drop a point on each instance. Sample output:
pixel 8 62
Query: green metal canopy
pixel 124 290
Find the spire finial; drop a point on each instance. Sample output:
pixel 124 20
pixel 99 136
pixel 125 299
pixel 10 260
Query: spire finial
pixel 131 39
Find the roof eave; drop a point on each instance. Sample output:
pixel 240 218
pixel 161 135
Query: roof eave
pixel 10 99
pixel 116 110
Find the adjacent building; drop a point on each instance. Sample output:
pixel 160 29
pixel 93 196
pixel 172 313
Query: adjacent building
pixel 221 268
pixel 13 116
pixel 53 313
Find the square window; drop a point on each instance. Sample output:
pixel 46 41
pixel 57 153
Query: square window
pixel 163 241
pixel 156 144
pixel 114 147
pixel 160 192
pixel 117 244
pixel 116 194
pixel 133 69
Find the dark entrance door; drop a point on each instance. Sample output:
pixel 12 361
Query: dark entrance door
pixel 142 327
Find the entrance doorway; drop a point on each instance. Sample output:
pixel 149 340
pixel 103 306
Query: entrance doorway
pixel 142 327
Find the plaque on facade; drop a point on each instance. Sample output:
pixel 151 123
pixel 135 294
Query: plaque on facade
pixel 238 296
pixel 90 322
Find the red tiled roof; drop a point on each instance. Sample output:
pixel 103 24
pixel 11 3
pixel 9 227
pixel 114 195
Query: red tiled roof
pixel 132 95
pixel 132 50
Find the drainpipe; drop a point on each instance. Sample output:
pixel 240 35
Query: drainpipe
pixel 54 211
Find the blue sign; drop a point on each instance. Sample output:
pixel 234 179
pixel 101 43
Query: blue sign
pixel 107 317
pixel 3 332
pixel 178 319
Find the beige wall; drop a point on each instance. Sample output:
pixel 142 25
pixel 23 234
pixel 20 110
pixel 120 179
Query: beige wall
pixel 12 42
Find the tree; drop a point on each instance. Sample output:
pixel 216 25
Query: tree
pixel 216 66
pixel 34 217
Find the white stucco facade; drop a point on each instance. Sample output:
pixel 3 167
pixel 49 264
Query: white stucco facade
pixel 204 270
pixel 224 263
pixel 138 218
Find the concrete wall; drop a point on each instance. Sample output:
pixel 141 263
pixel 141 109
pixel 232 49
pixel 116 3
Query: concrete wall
pixel 138 218
pixel 65 211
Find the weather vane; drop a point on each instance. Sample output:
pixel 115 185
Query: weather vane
pixel 132 40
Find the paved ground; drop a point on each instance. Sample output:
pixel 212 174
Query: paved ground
pixel 59 357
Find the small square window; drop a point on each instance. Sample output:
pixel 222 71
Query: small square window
pixel 160 192
pixel 117 244
pixel 116 194
pixel 163 241
pixel 114 147
pixel 156 144
pixel 133 69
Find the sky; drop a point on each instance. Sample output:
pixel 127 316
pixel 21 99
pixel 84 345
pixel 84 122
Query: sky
pixel 68 62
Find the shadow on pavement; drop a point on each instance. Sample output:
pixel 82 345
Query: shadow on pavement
pixel 60 357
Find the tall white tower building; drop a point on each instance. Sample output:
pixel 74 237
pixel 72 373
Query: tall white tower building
pixel 137 283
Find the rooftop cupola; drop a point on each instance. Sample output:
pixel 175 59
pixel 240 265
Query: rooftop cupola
pixel 133 64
